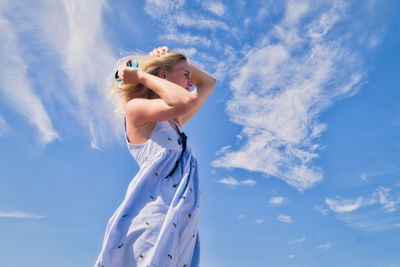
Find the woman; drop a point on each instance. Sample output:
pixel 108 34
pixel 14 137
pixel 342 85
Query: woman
pixel 156 224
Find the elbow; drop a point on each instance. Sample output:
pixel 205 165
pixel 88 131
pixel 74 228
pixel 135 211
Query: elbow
pixel 190 102
pixel 213 81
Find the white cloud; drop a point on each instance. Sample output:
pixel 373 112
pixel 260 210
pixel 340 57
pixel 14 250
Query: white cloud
pixel 232 182
pixel 4 127
pixel 259 221
pixel 294 11
pixel 228 181
pixel 268 9
pixel 389 203
pixel 291 256
pixel 160 8
pixel 248 182
pixel 278 105
pixel 300 240
pixel 322 210
pixel 199 22
pixel 373 212
pixel 186 39
pixel 346 205
pixel 380 196
pixel 87 61
pixel 241 216
pixel 374 41
pixel 364 177
pixel 277 201
pixel 284 218
pixel 223 150
pixel 19 214
pixel 370 221
pixel 70 41
pixel 326 246
pixel 189 52
pixel 16 86
pixel 215 7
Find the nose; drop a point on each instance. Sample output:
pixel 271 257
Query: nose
pixel 190 84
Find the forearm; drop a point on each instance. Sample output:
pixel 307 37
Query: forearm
pixel 201 78
pixel 171 93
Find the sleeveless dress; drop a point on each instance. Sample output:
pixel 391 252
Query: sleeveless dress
pixel 156 225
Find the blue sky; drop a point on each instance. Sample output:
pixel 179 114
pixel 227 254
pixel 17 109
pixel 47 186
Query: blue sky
pixel 298 144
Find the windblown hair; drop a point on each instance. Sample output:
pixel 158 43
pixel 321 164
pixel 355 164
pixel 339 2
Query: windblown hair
pixel 122 93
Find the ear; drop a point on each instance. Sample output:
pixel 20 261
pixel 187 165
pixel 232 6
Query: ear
pixel 162 73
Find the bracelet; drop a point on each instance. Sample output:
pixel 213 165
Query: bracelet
pixel 133 63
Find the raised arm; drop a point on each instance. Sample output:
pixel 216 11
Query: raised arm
pixel 174 102
pixel 205 83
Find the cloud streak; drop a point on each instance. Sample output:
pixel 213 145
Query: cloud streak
pixel 4 127
pixel 296 241
pixel 232 182
pixel 20 215
pixel 276 201
pixel 72 48
pixel 16 86
pixel 284 218
pixel 374 212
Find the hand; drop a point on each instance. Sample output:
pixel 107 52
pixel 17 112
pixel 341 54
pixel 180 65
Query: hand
pixel 128 75
pixel 157 52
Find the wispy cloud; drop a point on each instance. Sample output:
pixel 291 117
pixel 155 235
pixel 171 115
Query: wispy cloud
pixel 223 150
pixel 276 201
pixel 191 28
pixel 326 246
pixel 345 205
pixel 199 22
pixel 241 216
pixel 20 214
pixel 284 218
pixel 232 182
pixel 380 196
pixel 373 212
pixel 215 7
pixel 322 210
pixel 162 8
pixel 300 240
pixel 16 86
pixel 71 45
pixel 87 62
pixel 259 221
pixel 186 39
pixel 171 15
pixel 4 127
pixel 278 105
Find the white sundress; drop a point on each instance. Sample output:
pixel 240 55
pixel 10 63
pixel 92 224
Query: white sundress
pixel 157 222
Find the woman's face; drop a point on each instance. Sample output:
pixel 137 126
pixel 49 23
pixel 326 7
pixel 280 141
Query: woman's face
pixel 181 75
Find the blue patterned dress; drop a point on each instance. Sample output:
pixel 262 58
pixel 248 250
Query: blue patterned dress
pixel 157 222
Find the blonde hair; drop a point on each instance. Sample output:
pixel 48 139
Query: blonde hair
pixel 121 93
